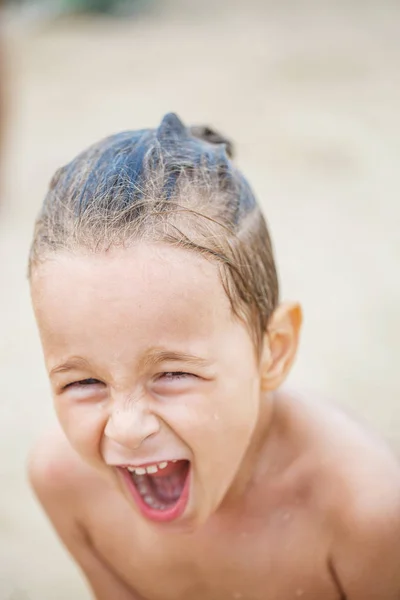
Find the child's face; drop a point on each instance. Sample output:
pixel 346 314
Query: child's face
pixel 148 365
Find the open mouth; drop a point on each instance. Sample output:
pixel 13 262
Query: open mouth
pixel 161 490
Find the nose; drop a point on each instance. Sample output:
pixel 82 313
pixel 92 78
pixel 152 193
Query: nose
pixel 131 424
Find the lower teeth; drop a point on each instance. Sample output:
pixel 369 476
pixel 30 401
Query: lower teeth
pixel 153 503
pixel 149 500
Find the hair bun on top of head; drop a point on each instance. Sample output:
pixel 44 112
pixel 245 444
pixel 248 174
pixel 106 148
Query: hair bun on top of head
pixel 207 134
pixel 171 126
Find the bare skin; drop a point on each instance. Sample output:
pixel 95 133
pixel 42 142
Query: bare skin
pixel 298 532
pixel 305 503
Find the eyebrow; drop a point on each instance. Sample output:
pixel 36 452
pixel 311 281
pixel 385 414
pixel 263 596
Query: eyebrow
pixel 72 363
pixel 152 359
pixel 156 357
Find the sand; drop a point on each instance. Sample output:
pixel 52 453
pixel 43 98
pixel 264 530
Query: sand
pixel 310 92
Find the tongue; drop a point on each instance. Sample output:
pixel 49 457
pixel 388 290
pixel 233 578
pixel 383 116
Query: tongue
pixel 168 484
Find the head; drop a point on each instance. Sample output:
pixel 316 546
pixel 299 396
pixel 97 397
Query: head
pixel 156 295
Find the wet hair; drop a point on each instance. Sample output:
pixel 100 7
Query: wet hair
pixel 174 185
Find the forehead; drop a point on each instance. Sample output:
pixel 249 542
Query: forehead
pixel 146 291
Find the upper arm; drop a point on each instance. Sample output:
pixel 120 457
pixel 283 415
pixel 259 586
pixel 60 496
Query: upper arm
pixel 366 552
pixel 53 472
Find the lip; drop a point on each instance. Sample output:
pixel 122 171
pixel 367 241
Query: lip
pixel 158 516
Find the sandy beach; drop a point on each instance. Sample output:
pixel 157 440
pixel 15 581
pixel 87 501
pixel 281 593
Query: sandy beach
pixel 310 93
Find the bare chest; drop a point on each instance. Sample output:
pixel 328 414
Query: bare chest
pixel 277 559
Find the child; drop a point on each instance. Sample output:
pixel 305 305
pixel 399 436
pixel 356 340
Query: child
pixel 182 470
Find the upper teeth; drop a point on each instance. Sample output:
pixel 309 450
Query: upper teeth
pixel 149 469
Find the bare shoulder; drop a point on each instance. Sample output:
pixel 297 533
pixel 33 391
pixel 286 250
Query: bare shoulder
pixel 365 525
pixel 364 486
pixel 357 482
pixel 354 473
pixel 55 470
pixel 361 466
pixel 64 486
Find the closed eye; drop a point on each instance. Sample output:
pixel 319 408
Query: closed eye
pixel 174 375
pixel 83 383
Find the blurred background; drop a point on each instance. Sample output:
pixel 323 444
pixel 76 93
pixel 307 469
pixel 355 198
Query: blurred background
pixel 309 90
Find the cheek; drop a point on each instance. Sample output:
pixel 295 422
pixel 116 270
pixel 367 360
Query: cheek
pixel 83 423
pixel 219 434
pixel 235 410
pixel 212 421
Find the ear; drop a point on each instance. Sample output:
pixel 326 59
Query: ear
pixel 280 345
